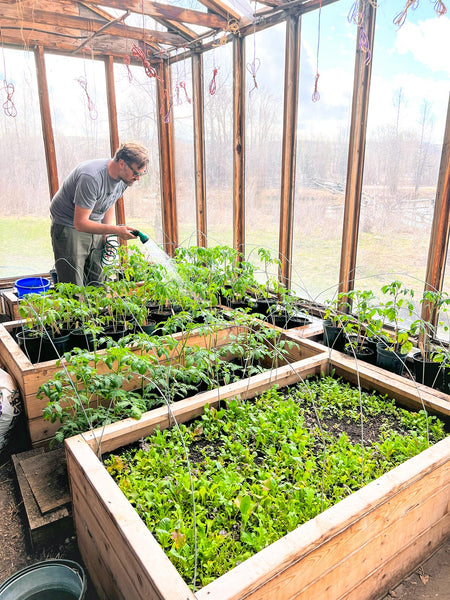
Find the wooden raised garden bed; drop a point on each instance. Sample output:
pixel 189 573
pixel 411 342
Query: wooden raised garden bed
pixel 355 550
pixel 30 377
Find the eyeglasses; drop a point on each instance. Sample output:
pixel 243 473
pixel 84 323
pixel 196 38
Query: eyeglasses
pixel 135 173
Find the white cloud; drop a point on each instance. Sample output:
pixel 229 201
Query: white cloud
pixel 428 42
pixel 415 90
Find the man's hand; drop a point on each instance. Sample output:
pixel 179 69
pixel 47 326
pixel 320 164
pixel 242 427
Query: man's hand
pixel 124 232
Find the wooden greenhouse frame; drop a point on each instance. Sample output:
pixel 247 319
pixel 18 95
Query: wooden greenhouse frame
pixel 67 26
pixel 399 519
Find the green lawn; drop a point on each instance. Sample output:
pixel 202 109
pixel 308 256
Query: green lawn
pixel 26 249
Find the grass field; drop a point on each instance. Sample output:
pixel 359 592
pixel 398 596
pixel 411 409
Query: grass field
pixel 26 249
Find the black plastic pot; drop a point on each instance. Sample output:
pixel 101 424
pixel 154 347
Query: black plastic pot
pixel 30 342
pixel 361 353
pixel 160 315
pixel 148 328
pixel 263 306
pixel 333 336
pixel 390 360
pixel 79 338
pixel 53 347
pixel 117 332
pixel 289 322
pixel 428 372
pixel 234 304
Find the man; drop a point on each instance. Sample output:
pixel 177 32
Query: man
pixel 82 212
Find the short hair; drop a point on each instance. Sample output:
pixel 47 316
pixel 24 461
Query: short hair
pixel 133 153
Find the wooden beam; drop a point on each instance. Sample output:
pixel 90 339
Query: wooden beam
pixel 75 26
pixel 357 148
pixel 199 148
pixel 168 12
pixel 440 230
pixel 46 120
pixel 289 147
pixel 166 158
pixel 239 144
pixel 107 25
pixel 113 130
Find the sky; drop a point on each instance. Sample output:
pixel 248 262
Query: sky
pixel 414 58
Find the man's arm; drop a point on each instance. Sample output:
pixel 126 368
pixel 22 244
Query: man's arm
pixel 81 222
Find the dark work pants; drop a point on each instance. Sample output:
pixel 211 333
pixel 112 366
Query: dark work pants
pixel 77 255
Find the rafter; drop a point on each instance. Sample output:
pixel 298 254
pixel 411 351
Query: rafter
pixel 221 9
pixel 168 12
pixel 72 24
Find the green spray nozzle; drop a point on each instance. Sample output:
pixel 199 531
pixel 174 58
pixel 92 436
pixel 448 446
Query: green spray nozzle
pixel 144 238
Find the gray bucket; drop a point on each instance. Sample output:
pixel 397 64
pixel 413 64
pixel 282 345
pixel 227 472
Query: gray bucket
pixel 48 580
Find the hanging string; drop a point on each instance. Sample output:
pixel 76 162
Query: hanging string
pixel 232 26
pixel 126 58
pixel 354 15
pixel 177 79
pixel 253 67
pixel 90 103
pixel 138 53
pixel 167 100
pixel 364 45
pixel 127 61
pixel 315 95
pixel 182 85
pixel 84 84
pixel 440 8
pixel 400 19
pixel 8 105
pixel 212 84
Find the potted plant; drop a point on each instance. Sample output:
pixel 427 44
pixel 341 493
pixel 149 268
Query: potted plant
pixel 397 327
pixel 428 360
pixel 334 319
pixel 363 325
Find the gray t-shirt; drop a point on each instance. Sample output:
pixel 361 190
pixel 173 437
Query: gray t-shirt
pixel 89 185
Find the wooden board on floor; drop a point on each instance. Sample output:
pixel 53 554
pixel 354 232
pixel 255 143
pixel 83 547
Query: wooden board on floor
pixel 42 529
pixel 47 477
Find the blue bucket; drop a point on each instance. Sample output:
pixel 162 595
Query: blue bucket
pixel 32 285
pixel 52 579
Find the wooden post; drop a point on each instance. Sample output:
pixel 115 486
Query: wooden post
pixel 199 148
pixel 356 152
pixel 289 148
pixel 440 230
pixel 46 121
pixel 239 144
pixel 113 129
pixel 166 158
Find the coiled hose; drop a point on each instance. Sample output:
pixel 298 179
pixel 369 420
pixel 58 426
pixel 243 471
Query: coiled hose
pixel 109 252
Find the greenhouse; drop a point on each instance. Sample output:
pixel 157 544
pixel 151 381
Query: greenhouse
pixel 225 301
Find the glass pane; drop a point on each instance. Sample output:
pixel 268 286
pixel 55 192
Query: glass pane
pixel 137 122
pixel 24 218
pixel 218 90
pixel 322 148
pixel 79 110
pixel 264 134
pixel 406 121
pixel 184 152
